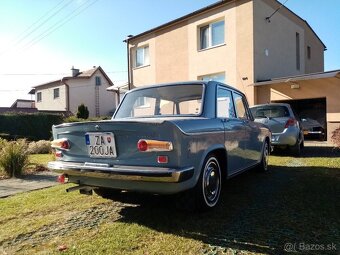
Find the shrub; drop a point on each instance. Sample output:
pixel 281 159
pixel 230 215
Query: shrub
pixel 75 119
pixel 83 112
pixel 336 137
pixel 40 147
pixel 14 157
pixel 34 127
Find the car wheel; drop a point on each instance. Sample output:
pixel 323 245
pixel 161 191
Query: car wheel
pixel 107 193
pixel 263 165
pixel 296 149
pixel 206 194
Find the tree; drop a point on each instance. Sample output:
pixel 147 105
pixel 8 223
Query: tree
pixel 83 112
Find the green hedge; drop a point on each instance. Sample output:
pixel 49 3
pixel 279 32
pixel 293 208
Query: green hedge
pixel 36 126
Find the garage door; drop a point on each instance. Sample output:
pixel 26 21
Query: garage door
pixel 312 113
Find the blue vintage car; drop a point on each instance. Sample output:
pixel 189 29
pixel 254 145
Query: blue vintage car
pixel 185 138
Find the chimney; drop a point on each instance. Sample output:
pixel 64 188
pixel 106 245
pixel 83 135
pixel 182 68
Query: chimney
pixel 75 72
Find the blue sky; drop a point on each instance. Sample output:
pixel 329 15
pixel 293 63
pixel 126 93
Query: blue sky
pixel 41 40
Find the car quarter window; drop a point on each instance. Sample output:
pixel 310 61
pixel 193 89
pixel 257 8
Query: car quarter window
pixel 225 106
pixel 240 105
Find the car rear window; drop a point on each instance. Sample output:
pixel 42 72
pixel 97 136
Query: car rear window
pixel 171 100
pixel 273 111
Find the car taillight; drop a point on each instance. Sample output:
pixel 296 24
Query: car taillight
pixel 162 159
pixel 62 178
pixel 62 144
pixel 290 122
pixel 153 145
pixel 58 154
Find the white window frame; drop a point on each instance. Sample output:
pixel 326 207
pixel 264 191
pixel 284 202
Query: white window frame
pixel 98 81
pixel 39 96
pixel 54 93
pixel 145 56
pixel 210 35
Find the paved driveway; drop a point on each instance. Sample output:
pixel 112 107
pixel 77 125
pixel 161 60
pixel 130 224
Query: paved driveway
pixel 36 181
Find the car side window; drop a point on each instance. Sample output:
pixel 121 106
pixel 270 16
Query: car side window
pixel 241 109
pixel 225 105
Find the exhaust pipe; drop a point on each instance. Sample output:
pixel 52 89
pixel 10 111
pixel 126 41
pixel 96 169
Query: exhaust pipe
pixel 83 189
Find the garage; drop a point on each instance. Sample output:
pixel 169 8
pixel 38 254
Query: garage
pixel 315 97
pixel 312 113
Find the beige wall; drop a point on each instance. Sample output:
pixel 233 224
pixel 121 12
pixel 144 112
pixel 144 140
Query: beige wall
pixel 275 43
pixel 81 90
pixel 318 88
pixel 48 103
pixel 175 54
pixel 23 104
pixel 144 75
pixel 316 62
pixel 171 58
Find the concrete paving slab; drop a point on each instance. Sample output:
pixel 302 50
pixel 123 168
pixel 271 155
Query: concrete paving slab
pixel 9 187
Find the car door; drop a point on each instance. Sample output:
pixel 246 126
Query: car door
pixel 251 141
pixel 233 130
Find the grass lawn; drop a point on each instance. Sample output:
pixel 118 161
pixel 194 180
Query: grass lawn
pixel 296 202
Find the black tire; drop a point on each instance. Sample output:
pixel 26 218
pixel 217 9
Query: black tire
pixel 107 193
pixel 206 194
pixel 263 165
pixel 296 149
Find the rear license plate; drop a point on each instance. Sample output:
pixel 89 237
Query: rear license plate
pixel 101 145
pixel 305 132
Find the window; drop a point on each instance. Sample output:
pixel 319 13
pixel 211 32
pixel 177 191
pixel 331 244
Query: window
pixel 309 52
pixel 270 111
pixel 56 93
pixel 142 56
pixel 212 35
pixel 225 106
pixel 219 77
pixel 240 107
pixel 98 81
pixel 297 41
pixel 39 97
pixel 174 100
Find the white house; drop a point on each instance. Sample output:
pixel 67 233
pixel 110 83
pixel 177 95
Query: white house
pixel 87 87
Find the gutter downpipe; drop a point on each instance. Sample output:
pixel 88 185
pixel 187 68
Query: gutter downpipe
pixel 130 79
pixel 67 90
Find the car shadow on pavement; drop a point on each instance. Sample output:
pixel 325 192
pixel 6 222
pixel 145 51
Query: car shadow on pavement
pixel 259 212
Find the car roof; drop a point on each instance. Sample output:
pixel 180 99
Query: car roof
pixel 186 83
pixel 271 104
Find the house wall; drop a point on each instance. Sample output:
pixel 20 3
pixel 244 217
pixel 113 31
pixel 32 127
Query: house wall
pixel 24 104
pixel 254 49
pixel 144 75
pixel 318 88
pixel 275 43
pixel 82 90
pixel 48 103
pixel 175 54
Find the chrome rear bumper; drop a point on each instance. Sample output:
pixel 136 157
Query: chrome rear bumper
pixel 120 172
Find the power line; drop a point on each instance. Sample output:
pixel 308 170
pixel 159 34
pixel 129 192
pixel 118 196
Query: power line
pixel 58 24
pixel 39 22
pixel 33 74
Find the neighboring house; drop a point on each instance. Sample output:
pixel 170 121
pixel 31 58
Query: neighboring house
pixel 120 89
pixel 87 87
pixel 23 103
pixel 238 42
pixel 20 106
